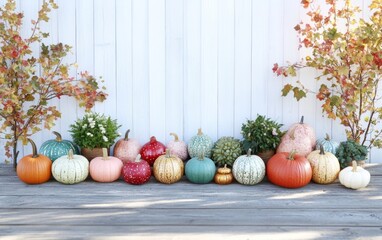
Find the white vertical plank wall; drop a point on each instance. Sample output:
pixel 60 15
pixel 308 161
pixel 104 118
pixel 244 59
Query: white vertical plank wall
pixel 177 65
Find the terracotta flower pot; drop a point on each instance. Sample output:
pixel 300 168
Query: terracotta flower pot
pixel 92 153
pixel 266 155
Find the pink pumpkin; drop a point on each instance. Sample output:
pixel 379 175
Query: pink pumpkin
pixel 137 171
pixel 178 147
pixel 127 148
pixel 105 168
pixel 300 137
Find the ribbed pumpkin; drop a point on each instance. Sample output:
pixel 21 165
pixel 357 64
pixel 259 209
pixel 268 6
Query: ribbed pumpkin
pixel 200 169
pixel 71 168
pixel 354 177
pixel 328 144
pixel 168 168
pixel 300 137
pixel 137 171
pixel 105 168
pixel 152 150
pixel 127 148
pixel 199 144
pixel 223 176
pixel 178 147
pixel 248 169
pixel 58 147
pixel 34 168
pixel 325 166
pixel 289 170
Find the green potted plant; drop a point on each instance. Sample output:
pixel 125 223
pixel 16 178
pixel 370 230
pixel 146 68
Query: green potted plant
pixel 349 151
pixel 262 135
pixel 94 132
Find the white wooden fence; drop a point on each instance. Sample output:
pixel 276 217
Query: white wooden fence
pixel 177 65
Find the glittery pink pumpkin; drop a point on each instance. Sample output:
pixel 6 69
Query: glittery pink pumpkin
pixel 152 150
pixel 136 172
pixel 300 137
pixel 127 148
pixel 178 147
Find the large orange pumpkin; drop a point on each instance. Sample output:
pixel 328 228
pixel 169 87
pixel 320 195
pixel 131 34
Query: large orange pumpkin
pixel 34 168
pixel 289 170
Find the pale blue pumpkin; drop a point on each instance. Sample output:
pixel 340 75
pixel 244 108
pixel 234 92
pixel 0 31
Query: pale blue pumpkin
pixel 200 144
pixel 248 169
pixel 200 169
pixel 58 147
pixel 328 144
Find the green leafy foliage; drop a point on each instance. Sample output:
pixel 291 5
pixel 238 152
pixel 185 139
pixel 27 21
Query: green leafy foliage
pixel 94 131
pixel 261 135
pixel 349 151
pixel 346 51
pixel 226 151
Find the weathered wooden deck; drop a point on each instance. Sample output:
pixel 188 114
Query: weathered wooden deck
pixel 188 211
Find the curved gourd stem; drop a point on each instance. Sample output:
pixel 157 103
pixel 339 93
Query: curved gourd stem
pixel 175 136
pixel 34 148
pixel 104 154
pixel 138 158
pixel 322 152
pixel 354 165
pixel 127 135
pixel 200 132
pixel 201 156
pixel 168 153
pixel 153 139
pixel 70 154
pixel 302 120
pixel 58 136
pixel 327 138
pixel 249 152
pixel 291 155
pixel 225 165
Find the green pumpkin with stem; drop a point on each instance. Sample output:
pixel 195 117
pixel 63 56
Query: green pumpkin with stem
pixel 58 147
pixel 200 169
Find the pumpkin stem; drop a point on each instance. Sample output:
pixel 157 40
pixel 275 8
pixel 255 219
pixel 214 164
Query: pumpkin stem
pixel 168 153
pixel 249 152
pixel 175 136
pixel 104 154
pixel 138 158
pixel 322 152
pixel 127 135
pixel 153 139
pixel 291 154
pixel 34 148
pixel 70 154
pixel 200 132
pixel 225 165
pixel 302 120
pixel 201 155
pixel 354 165
pixel 58 136
pixel 327 138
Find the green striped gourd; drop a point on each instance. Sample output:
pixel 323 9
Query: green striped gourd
pixel 58 147
pixel 249 169
pixel 328 144
pixel 200 169
pixel 70 169
pixel 226 151
pixel 199 144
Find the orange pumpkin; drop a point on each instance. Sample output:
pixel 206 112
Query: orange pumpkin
pixel 105 168
pixel 34 168
pixel 289 170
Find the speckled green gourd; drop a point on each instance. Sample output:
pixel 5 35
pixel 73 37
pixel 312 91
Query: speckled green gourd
pixel 199 144
pixel 58 147
pixel 200 169
pixel 226 151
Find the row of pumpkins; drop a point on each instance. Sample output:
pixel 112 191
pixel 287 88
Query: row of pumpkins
pixel 286 168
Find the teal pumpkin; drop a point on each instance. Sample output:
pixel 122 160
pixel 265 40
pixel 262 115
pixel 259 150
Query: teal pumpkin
pixel 328 144
pixel 200 169
pixel 248 169
pixel 200 144
pixel 58 147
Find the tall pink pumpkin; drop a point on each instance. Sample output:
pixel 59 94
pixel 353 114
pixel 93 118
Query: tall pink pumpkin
pixel 300 137
pixel 105 168
pixel 127 148
pixel 178 147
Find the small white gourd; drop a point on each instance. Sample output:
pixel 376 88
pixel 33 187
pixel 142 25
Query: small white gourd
pixel 248 169
pixel 354 177
pixel 70 169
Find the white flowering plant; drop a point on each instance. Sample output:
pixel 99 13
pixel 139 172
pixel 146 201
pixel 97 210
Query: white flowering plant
pixel 94 130
pixel 261 134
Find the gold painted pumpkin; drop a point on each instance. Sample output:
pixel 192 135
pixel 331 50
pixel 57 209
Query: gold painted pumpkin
pixel 223 176
pixel 325 166
pixel 168 168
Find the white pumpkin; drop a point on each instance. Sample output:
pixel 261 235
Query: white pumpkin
pixel 354 177
pixel 325 166
pixel 70 169
pixel 178 147
pixel 248 169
